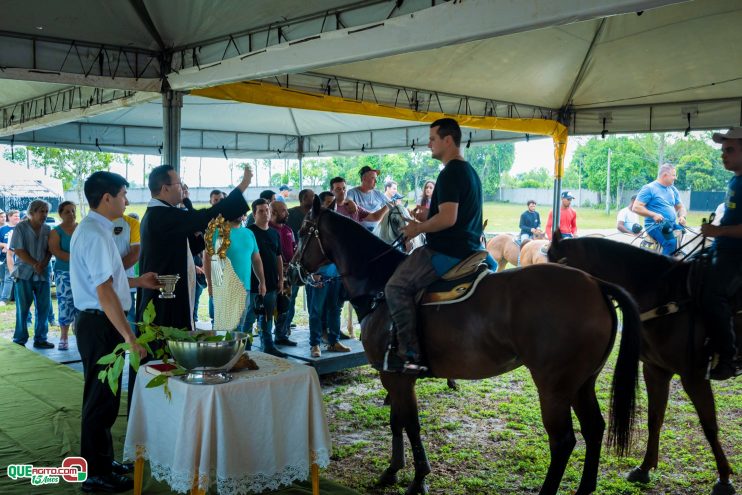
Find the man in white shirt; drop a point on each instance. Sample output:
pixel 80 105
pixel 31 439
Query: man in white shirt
pixel 627 221
pixel 100 288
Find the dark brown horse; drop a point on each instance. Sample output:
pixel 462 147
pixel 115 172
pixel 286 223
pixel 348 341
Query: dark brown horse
pixel 476 339
pixel 671 344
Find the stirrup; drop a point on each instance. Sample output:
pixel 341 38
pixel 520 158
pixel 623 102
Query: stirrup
pixel 414 368
pixel 392 362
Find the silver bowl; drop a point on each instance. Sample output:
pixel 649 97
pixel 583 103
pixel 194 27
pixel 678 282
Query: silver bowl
pixel 203 357
pixel 168 281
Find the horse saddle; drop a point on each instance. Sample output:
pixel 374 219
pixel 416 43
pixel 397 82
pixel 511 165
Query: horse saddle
pixel 458 283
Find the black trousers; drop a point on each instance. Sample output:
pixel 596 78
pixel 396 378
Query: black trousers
pixel 96 337
pixel 722 280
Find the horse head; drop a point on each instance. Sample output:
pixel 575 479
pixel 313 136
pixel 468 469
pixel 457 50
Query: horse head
pixel 310 253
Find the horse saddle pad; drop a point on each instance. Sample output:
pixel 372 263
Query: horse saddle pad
pixel 458 283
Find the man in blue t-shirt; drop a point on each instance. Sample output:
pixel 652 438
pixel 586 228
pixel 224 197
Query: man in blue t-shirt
pixel 724 276
pixel 453 230
pixel 659 202
pixel 530 222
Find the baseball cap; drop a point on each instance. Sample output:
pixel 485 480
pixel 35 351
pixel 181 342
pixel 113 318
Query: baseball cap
pixel 733 133
pixel 567 195
pixel 285 188
pixel 366 168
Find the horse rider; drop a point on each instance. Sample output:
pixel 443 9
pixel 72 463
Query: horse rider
pixel 567 218
pixel 453 230
pixel 530 222
pixel 724 275
pixel 659 201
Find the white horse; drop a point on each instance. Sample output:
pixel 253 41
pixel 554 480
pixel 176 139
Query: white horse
pixel 390 227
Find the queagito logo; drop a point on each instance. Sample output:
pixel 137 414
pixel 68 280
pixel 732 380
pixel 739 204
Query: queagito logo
pixel 72 470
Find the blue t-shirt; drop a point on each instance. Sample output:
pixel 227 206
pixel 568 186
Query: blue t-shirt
pixel 64 245
pixel 5 231
pixel 659 199
pixel 240 251
pixel 732 214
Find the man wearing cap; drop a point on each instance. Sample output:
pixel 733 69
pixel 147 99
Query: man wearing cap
pixel 659 201
pixel 283 193
pixel 724 276
pixel 567 218
pixel 453 231
pixel 367 196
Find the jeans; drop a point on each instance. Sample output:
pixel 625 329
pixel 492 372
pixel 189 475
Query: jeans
pixel 324 301
pixel 25 292
pixel 211 308
pixel 668 245
pixel 266 324
pixel 283 322
pixel 199 291
pixel 6 283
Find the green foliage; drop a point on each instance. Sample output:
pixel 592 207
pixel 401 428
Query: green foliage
pixel 535 179
pixel 635 160
pixel 491 162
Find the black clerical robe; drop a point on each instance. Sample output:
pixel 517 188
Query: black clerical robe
pixel 167 233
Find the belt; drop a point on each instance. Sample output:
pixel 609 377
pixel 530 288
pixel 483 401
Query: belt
pixel 94 312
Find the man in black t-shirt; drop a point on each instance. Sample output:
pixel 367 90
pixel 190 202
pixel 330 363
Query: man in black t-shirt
pixel 724 276
pixel 453 230
pixel 269 246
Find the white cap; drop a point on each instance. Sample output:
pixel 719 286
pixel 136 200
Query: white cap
pixel 733 133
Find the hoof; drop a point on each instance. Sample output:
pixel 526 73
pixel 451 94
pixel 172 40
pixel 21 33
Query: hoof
pixel 388 478
pixel 723 488
pixel 452 384
pixel 638 475
pixel 417 489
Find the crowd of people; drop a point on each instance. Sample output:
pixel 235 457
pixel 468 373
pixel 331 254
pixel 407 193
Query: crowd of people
pixel 98 286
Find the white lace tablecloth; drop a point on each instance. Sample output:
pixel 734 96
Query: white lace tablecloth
pixel 260 431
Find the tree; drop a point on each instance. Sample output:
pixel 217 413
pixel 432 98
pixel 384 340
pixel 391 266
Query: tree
pixel 539 178
pixel 72 167
pixel 491 162
pixel 698 164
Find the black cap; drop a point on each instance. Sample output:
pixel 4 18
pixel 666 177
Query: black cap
pixel 567 195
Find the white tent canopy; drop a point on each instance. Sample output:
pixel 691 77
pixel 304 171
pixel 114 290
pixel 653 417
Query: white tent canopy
pixel 85 75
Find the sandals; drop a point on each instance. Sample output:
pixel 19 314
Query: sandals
pixel 63 345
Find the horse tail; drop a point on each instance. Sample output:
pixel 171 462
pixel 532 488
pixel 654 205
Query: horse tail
pixel 626 373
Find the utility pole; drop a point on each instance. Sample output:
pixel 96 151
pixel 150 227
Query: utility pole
pixel 608 185
pixel 579 183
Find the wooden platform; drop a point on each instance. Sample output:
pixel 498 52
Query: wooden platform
pixel 330 362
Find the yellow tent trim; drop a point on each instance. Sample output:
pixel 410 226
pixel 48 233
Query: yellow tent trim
pixel 272 95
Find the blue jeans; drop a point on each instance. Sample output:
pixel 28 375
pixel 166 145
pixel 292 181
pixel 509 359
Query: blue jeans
pixel 323 302
pixel 25 292
pixel 211 308
pixel 266 324
pixel 199 290
pixel 283 322
pixel 668 245
pixel 6 283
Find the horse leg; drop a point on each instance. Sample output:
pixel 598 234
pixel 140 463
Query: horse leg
pixel 557 419
pixel 351 328
pixel 657 381
pixel 396 422
pixel 420 458
pixel 452 384
pixel 592 426
pixel 700 393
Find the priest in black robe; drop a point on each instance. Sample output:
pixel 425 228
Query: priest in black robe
pixel 170 236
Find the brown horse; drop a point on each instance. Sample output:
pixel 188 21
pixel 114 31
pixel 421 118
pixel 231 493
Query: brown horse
pixel 672 343
pixel 476 339
pixel 533 252
pixel 504 249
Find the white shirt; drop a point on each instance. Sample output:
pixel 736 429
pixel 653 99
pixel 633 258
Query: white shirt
pixel 627 217
pixel 370 200
pixel 94 259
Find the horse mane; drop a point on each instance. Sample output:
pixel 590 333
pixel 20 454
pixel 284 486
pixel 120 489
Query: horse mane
pixel 369 256
pixel 643 263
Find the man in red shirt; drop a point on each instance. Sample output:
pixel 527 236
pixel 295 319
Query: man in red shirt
pixel 567 218
pixel 279 217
